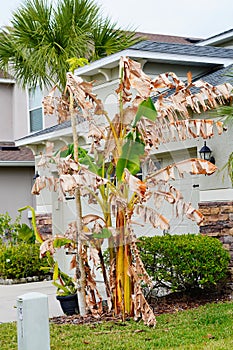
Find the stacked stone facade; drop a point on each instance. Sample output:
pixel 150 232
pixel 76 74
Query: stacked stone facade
pixel 218 222
pixel 44 224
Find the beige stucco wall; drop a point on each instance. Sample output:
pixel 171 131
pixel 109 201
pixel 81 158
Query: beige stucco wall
pixel 181 71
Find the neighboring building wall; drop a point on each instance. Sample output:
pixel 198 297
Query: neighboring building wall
pixel 20 113
pixel 15 184
pixel 218 223
pixel 16 166
pixel 13 113
pixel 6 129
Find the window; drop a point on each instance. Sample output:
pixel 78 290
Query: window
pixel 154 164
pixel 35 109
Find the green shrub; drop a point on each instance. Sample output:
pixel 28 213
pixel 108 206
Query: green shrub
pixel 8 229
pixel 13 231
pixel 20 260
pixel 184 262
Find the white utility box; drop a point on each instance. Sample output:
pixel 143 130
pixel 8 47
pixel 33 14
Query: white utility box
pixel 33 322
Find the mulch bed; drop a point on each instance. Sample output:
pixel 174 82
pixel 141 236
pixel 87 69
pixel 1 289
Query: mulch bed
pixel 183 301
pixel 168 304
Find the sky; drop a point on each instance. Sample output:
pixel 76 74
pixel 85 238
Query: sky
pixel 189 18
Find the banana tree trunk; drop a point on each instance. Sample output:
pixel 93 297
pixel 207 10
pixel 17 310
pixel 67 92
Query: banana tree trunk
pixel 123 299
pixel 80 270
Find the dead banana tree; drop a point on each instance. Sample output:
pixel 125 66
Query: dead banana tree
pixel 106 173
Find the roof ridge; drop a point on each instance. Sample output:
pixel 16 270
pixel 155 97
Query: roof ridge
pixel 183 49
pixel 219 34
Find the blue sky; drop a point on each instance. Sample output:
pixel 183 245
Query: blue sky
pixel 193 18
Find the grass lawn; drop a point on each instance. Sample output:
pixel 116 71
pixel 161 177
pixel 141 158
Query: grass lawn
pixel 208 327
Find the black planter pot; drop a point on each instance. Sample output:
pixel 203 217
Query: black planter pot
pixel 69 304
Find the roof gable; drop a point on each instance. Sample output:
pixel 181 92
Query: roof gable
pixel 218 38
pixel 162 52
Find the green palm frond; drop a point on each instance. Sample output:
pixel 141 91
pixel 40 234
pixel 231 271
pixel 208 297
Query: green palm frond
pixel 108 38
pixel 43 36
pixel 225 113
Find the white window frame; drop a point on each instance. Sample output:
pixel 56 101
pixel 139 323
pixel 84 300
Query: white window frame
pixel 33 109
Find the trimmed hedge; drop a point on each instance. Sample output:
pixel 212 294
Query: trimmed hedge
pixel 184 262
pixel 20 261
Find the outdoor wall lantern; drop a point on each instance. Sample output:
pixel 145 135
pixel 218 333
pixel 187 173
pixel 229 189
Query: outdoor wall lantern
pixel 206 153
pixel 36 175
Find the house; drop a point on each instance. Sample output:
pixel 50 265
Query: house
pixel 17 165
pixel 210 60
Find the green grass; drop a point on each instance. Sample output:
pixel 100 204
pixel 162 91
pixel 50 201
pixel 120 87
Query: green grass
pixel 209 327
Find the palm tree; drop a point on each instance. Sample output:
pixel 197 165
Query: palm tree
pixel 43 36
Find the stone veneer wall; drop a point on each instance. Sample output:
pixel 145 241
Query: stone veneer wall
pixel 44 224
pixel 218 222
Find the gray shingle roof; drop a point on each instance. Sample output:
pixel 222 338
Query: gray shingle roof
pixel 53 128
pixel 48 130
pixel 216 77
pixel 10 153
pixel 193 50
pixel 220 76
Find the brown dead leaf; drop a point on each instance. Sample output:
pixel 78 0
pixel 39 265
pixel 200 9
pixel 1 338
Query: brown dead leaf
pixel 48 102
pixel 67 183
pixel 135 78
pixel 189 77
pixel 73 263
pixel 38 185
pixel 141 307
pixel 135 184
pixel 63 109
pixel 48 246
pixel 149 215
pixel 90 218
pixel 191 166
pixel 139 266
pixel 85 98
